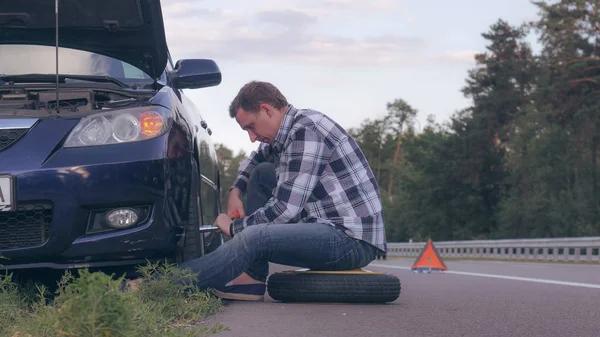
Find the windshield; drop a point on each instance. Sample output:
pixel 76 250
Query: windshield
pixel 30 59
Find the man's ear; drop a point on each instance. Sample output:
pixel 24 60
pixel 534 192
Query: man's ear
pixel 268 109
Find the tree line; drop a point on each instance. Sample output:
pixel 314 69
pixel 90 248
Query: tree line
pixel 521 161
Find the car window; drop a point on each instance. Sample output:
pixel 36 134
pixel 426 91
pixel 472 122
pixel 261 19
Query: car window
pixel 30 59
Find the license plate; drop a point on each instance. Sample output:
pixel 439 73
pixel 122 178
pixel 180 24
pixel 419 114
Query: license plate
pixel 7 193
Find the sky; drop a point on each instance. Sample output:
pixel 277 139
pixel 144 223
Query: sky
pixel 345 58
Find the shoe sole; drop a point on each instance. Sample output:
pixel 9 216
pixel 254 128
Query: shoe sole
pixel 238 297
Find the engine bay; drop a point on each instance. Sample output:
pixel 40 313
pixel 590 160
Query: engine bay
pixel 72 101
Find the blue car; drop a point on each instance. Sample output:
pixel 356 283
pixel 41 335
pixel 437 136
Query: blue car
pixel 103 159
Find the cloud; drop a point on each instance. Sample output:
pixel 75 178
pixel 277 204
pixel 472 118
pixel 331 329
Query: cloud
pixel 329 8
pixel 462 56
pixel 407 43
pixel 272 31
pixel 290 19
pixel 178 10
pixel 301 47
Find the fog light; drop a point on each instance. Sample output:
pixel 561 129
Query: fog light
pixel 122 218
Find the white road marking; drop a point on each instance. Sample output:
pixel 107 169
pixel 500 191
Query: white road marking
pixel 388 266
pixel 515 278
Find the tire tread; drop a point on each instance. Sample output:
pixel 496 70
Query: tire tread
pixel 344 288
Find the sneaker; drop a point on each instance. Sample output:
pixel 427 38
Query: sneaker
pixel 241 292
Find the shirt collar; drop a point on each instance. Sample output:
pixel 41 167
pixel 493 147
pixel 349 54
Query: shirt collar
pixel 284 129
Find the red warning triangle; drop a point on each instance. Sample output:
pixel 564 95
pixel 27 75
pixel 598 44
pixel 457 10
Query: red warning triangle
pixel 429 259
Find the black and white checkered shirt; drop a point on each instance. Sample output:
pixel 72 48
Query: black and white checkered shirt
pixel 322 176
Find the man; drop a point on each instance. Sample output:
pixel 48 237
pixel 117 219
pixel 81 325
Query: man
pixel 313 201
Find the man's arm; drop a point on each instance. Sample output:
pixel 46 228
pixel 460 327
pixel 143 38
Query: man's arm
pixel 302 163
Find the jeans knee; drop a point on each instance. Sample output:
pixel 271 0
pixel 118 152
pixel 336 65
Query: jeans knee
pixel 263 173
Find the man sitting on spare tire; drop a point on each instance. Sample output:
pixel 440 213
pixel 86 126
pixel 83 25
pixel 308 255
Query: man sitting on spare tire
pixel 312 199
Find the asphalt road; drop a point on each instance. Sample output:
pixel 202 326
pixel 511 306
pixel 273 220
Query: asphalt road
pixel 472 298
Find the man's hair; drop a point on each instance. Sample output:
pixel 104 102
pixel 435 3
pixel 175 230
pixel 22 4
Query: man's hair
pixel 255 93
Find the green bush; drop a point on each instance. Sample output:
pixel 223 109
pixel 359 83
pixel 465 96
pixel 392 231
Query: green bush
pixel 92 304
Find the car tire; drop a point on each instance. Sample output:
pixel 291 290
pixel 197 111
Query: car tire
pixel 192 236
pixel 336 287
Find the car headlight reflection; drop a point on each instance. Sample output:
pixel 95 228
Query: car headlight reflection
pixel 119 126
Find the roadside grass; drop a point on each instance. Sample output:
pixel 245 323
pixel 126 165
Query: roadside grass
pixel 93 304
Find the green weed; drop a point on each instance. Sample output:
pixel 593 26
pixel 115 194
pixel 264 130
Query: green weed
pixel 92 304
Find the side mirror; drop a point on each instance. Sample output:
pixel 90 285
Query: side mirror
pixel 195 73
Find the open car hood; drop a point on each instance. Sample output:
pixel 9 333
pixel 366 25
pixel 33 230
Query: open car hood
pixel 128 30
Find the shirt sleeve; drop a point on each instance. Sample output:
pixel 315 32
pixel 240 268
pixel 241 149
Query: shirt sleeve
pixel 300 168
pixel 247 165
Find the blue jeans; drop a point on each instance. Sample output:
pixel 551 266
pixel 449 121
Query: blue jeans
pixel 303 245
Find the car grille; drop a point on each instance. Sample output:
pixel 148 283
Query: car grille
pixel 9 136
pixel 28 226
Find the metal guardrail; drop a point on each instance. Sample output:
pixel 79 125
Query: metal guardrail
pixel 559 249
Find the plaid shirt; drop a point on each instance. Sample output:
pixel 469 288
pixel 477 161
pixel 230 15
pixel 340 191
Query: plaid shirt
pixel 322 176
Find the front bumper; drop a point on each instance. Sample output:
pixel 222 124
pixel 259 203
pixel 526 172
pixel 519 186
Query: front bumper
pixel 58 188
pixel 55 207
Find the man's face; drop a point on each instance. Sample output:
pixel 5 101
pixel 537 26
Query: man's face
pixel 261 125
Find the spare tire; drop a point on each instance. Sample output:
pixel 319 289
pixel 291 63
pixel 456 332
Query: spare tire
pixel 352 286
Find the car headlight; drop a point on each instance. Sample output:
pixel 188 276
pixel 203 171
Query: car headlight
pixel 120 126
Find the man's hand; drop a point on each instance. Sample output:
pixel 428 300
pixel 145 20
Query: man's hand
pixel 223 222
pixel 234 203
